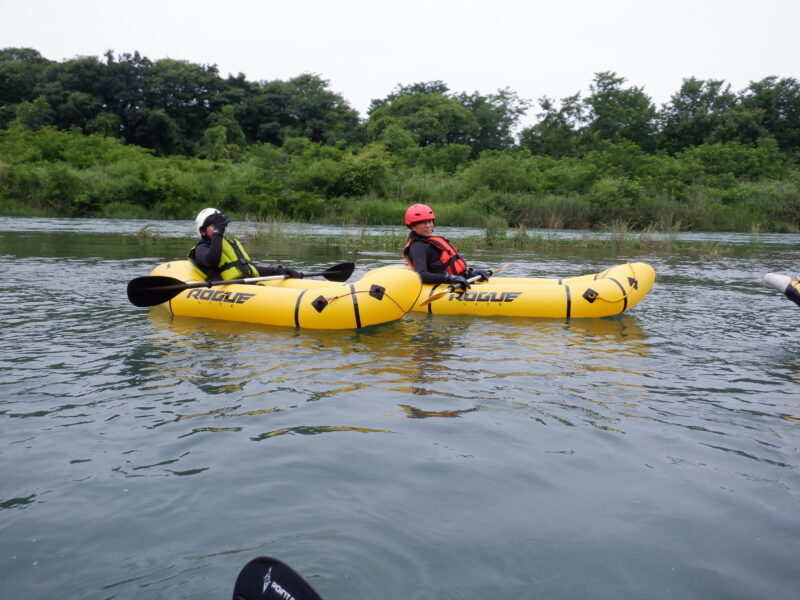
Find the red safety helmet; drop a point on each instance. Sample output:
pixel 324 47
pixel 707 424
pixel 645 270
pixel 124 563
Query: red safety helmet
pixel 419 212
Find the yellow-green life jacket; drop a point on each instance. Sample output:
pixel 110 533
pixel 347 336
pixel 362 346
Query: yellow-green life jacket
pixel 234 263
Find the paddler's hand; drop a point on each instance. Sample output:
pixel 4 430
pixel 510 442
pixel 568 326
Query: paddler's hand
pixel 291 273
pixel 484 274
pixel 220 222
pixel 459 282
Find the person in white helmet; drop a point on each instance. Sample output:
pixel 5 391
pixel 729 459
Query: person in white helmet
pixel 219 257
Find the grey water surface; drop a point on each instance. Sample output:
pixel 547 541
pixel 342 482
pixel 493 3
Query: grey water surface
pixel 650 455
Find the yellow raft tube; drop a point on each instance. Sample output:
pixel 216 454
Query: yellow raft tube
pixel 378 297
pixel 603 294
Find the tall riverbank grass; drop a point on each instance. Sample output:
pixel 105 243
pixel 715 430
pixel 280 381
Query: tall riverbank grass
pixel 618 238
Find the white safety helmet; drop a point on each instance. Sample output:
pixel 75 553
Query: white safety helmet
pixel 202 216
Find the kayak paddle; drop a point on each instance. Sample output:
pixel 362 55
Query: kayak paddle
pixel 155 289
pixel 452 288
pixel 266 578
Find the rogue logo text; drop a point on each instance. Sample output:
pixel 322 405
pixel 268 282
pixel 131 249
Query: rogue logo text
pixel 219 296
pixel 485 296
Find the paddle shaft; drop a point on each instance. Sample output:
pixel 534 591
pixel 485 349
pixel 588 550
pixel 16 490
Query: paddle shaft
pixel 187 286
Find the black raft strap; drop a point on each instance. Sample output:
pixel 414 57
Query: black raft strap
pixel 247 268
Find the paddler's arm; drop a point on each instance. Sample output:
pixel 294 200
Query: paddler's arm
pixel 208 254
pixel 418 254
pixel 421 254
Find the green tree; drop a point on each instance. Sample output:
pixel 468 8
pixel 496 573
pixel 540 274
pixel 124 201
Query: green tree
pixel 123 88
pixel 223 139
pixel 315 112
pixel 423 87
pixel 497 115
pixel 559 131
pixel 430 116
pixel 78 109
pixel 215 146
pixel 779 103
pixel 105 123
pixel 187 93
pixel 694 113
pixel 20 71
pixel 34 115
pixel 275 111
pixel 155 129
pixel 226 117
pixel 401 144
pixel 740 124
pixel 74 90
pixel 616 113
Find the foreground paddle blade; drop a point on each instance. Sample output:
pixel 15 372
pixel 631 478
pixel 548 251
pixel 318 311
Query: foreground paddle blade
pixel 266 578
pixel 337 273
pixel 153 289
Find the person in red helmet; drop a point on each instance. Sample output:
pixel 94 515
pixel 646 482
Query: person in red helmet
pixel 434 257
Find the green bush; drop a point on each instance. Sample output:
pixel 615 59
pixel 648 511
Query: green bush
pixel 568 176
pixel 623 159
pixel 447 158
pixel 432 188
pixel 726 162
pixel 61 187
pixel 14 208
pixel 613 199
pixel 302 206
pixel 495 230
pixel 365 171
pixel 373 210
pixel 123 210
pixel 498 173
pixel 549 211
pixel 459 215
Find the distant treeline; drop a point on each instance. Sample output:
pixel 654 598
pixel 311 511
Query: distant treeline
pixel 127 136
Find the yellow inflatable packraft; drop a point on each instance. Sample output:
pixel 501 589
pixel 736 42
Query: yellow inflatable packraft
pixel 610 292
pixel 378 297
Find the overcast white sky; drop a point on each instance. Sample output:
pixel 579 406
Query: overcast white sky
pixel 364 48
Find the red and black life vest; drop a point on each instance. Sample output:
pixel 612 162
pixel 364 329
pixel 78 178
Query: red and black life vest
pixel 451 260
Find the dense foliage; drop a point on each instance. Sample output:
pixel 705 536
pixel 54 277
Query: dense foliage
pixel 127 136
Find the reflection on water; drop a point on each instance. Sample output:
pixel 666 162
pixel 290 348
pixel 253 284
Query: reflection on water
pixel 416 413
pixel 314 431
pixel 653 454
pixel 422 355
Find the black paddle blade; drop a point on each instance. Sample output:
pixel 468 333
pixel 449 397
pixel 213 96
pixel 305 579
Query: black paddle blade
pixel 340 272
pixel 266 578
pixel 154 289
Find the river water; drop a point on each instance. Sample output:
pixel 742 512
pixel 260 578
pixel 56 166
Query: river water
pixel 651 455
